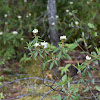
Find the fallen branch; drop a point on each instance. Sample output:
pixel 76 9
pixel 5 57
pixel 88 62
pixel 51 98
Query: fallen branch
pixel 49 92
pixel 26 79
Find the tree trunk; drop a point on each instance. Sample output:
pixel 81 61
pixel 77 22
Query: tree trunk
pixel 52 12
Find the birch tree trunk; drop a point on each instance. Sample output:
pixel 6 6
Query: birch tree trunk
pixel 52 12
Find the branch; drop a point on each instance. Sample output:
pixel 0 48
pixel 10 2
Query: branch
pixel 49 92
pixel 25 79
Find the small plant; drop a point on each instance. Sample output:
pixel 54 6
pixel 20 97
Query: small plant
pixel 49 54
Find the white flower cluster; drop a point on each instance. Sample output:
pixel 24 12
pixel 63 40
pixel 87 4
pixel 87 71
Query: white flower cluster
pixel 35 31
pixel 44 44
pixel 25 0
pixel 53 24
pixel 76 22
pixel 1 33
pixel 67 10
pixel 22 39
pixel 6 23
pixel 88 2
pixel 28 15
pixel 57 16
pixel 63 38
pixel 19 17
pixel 36 44
pixel 5 15
pixel 88 58
pixel 15 32
pixel 71 3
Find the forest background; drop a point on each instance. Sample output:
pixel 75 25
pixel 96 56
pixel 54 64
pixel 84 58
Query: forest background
pixel 78 20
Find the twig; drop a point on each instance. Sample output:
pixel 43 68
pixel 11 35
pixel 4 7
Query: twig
pixel 49 92
pixel 26 79
pixel 43 75
pixel 92 93
pixel 87 97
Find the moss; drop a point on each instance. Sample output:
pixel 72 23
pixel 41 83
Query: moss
pixel 40 89
pixel 34 70
pixel 33 98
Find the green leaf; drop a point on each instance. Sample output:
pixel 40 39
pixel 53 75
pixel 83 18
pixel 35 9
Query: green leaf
pixel 57 97
pixel 61 68
pixel 64 69
pixel 71 24
pixel 51 65
pixel 79 81
pixel 67 66
pixel 44 65
pixel 64 78
pixel 98 50
pixel 79 40
pixel 97 88
pixel 64 51
pixel 59 55
pixel 60 83
pixel 83 73
pixel 1 96
pixel 50 46
pixel 57 49
pixel 40 55
pixel 93 81
pixel 94 53
pixel 24 59
pixel 91 25
pixel 72 96
pixel 89 46
pixel 35 54
pixel 68 56
pixel 87 89
pixel 56 63
pixel 30 90
pixel 83 34
pixel 0 83
pixel 66 98
pixel 70 13
pixel 92 67
pixel 76 90
pixel 0 78
pixel 89 74
pixel 74 11
pixel 73 46
pixel 77 97
pixel 86 80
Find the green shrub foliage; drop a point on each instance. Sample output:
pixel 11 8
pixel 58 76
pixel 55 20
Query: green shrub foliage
pixel 80 16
